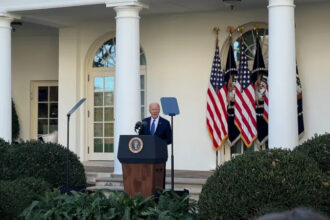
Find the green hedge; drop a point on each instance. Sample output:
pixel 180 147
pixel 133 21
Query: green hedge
pixel 261 182
pixel 318 148
pixel 116 206
pixel 16 195
pixel 46 161
pixel 15 122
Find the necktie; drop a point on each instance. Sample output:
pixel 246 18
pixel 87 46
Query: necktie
pixel 152 131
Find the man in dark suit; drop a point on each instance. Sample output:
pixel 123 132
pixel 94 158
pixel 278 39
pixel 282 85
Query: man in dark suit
pixel 156 125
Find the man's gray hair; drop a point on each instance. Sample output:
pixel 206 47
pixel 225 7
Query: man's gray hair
pixel 154 103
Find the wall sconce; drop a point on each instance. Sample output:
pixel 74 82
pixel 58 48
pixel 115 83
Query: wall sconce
pixel 231 3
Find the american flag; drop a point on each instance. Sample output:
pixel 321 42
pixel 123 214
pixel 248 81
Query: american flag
pixel 245 112
pixel 266 105
pixel 216 114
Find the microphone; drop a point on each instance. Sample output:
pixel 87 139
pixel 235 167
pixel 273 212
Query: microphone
pixel 139 126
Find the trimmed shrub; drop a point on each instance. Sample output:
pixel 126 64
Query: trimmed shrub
pixel 256 183
pixel 3 154
pixel 15 122
pixel 16 195
pixel 3 147
pixel 318 148
pixel 46 161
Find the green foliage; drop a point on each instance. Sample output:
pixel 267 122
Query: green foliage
pixel 15 123
pixel 88 206
pixel 46 161
pixel 171 206
pixel 3 154
pixel 127 207
pixel 117 206
pixel 16 195
pixel 318 148
pixel 260 182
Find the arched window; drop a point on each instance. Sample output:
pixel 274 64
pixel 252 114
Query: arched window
pixel 106 55
pixel 101 89
pixel 248 37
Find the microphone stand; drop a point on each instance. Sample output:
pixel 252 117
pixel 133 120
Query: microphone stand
pixel 68 142
pixel 172 156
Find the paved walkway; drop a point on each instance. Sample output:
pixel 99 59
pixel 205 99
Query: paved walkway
pixel 107 167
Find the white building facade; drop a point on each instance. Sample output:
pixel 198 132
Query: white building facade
pixel 123 55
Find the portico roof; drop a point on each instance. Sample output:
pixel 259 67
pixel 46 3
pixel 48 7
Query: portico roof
pixel 61 13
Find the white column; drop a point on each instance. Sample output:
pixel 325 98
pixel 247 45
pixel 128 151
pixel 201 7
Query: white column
pixel 5 76
pixel 283 124
pixel 127 79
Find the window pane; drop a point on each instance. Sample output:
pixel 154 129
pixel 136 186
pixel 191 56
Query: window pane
pixel 142 97
pixel 236 149
pixel 98 130
pixel 97 62
pixel 98 114
pixel 54 93
pixel 142 58
pixel 98 84
pixel 42 93
pixel 141 81
pixel 53 110
pixel 108 145
pixel 98 145
pixel 109 83
pixel 250 149
pixel 98 99
pixel 142 113
pixel 52 125
pixel 105 55
pixel 42 110
pixel 108 114
pixel 248 38
pixel 108 98
pixel 108 129
pixel 42 126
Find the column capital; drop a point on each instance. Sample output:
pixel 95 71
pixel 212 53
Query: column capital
pixel 125 3
pixel 281 3
pixel 6 19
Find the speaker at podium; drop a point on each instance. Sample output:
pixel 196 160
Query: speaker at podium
pixel 143 159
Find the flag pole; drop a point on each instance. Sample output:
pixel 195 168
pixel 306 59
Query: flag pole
pixel 216 30
pixel 240 30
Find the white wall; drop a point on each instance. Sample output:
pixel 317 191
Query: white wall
pixel 313 56
pixel 34 57
pixel 67 95
pixel 179 51
pixel 74 45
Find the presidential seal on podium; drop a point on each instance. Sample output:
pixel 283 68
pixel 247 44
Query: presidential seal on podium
pixel 135 145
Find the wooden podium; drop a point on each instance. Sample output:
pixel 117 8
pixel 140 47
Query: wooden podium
pixel 143 159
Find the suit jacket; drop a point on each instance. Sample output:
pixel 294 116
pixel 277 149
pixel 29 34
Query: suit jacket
pixel 163 129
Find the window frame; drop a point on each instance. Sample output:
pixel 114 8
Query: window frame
pixel 34 85
pixel 92 71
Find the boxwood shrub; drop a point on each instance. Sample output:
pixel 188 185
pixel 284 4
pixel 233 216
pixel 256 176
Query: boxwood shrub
pixel 16 195
pixel 15 129
pixel 256 183
pixel 318 148
pixel 46 161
